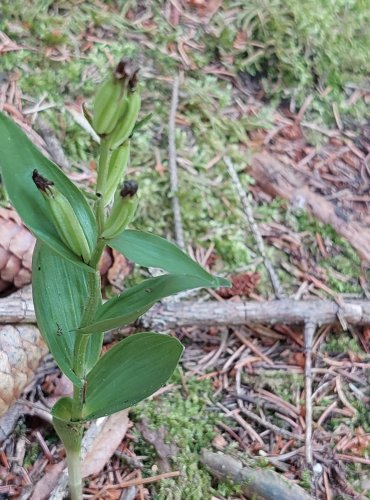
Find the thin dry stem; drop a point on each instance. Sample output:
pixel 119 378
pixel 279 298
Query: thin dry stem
pixel 179 233
pixel 248 212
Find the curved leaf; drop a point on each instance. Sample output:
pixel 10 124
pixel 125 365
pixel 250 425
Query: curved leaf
pixel 18 158
pixel 59 294
pixel 132 303
pixel 131 371
pixel 149 250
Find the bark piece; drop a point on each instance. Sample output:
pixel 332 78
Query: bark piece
pixel 262 484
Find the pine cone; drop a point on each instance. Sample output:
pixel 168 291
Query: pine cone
pixel 21 349
pixel 16 247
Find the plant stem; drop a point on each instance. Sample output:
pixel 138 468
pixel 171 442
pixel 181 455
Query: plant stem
pixel 74 474
pixel 97 253
pixel 100 183
pixel 103 167
pixel 82 340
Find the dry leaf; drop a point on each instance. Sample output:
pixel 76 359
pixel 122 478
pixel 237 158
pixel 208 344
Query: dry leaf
pixel 106 443
pixel 119 271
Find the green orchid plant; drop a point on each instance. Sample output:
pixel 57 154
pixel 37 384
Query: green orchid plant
pixel 72 232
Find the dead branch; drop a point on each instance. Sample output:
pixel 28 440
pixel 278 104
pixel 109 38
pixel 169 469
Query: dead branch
pixel 261 483
pixel 18 308
pixel 179 233
pixel 279 179
pixel 248 212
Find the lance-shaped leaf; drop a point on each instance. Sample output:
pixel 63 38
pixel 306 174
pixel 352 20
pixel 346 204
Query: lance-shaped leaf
pixel 129 372
pixel 149 250
pixel 60 289
pixel 18 158
pixel 132 303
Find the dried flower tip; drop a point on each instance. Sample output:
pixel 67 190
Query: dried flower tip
pixel 125 69
pixel 129 188
pixel 41 182
pixel 134 79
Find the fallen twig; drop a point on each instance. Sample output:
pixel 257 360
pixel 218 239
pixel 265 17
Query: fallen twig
pixel 309 331
pixel 143 480
pixel 266 484
pixel 268 425
pixel 18 308
pixel 248 212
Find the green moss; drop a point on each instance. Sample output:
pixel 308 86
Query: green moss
pixel 192 426
pixel 342 342
pixel 305 481
pixel 31 455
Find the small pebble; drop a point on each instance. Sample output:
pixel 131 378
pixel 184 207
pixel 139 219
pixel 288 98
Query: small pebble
pixel 317 469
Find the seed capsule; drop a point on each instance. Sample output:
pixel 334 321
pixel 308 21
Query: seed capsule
pixel 126 123
pixel 63 217
pixel 116 170
pixel 123 210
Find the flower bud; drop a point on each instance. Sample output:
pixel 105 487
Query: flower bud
pixel 123 210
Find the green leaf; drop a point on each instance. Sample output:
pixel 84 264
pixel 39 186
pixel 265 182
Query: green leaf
pixel 131 371
pixel 18 158
pixel 132 303
pixel 141 123
pixel 149 250
pixel 59 294
pixel 69 432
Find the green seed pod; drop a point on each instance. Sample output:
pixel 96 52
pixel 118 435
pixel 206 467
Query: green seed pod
pixel 123 210
pixel 63 217
pixel 110 101
pixel 116 170
pixel 108 104
pixel 126 123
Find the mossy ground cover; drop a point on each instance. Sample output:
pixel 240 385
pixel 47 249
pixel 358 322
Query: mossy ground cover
pixel 191 425
pixel 236 66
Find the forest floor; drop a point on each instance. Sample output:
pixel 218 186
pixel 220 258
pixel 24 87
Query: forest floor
pixel 239 390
